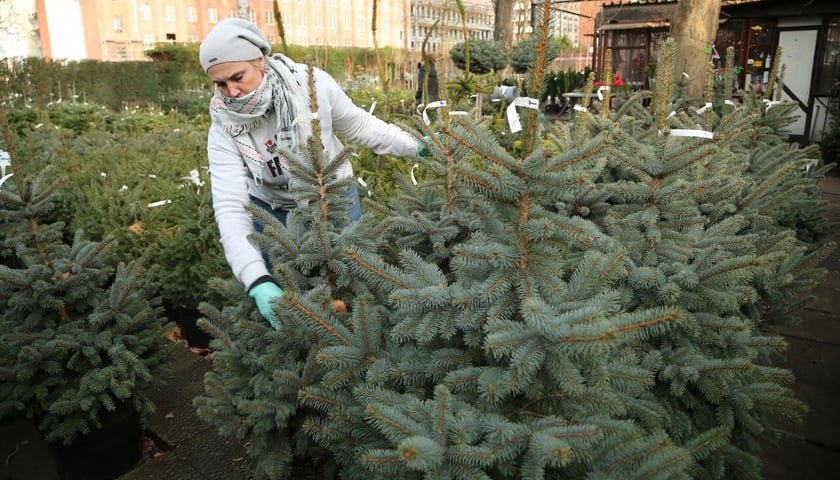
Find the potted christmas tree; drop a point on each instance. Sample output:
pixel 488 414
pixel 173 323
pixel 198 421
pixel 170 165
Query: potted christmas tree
pixel 80 335
pixel 600 302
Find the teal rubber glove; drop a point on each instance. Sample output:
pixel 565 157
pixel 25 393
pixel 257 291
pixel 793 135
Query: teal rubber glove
pixel 266 295
pixel 423 149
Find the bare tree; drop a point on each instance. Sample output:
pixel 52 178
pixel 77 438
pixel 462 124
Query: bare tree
pixel 242 9
pixel 7 15
pixel 694 28
pixel 503 28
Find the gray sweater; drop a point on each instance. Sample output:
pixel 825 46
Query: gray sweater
pixel 232 179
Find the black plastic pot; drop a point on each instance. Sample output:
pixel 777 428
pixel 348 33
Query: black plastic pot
pixel 105 453
pixel 185 318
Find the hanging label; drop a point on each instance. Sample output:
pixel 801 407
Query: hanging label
pixel 770 103
pixel 5 161
pixel 413 178
pixel 601 89
pixel 194 178
pixel 438 104
pixel 158 204
pixel 364 184
pixel 703 109
pixel 579 108
pixel 5 177
pixel 513 115
pixel 689 132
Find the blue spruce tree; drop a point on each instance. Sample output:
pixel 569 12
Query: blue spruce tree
pixel 80 335
pixel 599 302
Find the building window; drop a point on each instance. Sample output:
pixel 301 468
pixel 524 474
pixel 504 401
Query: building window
pixel 360 24
pixel 169 13
pixel 828 64
pixel 332 3
pixel 145 11
pixel 348 23
pixel 269 18
pixel 759 55
pixel 148 40
pixel 302 19
pixel 628 55
pixel 333 22
pixel 212 15
pixel 118 23
pixel 318 22
pixel 191 13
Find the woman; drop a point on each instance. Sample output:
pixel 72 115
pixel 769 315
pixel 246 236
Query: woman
pixel 260 108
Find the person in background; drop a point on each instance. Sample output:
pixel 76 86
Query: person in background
pixel 433 93
pixel 259 109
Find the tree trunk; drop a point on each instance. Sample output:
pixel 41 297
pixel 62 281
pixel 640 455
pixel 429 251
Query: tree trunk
pixel 694 28
pixel 503 29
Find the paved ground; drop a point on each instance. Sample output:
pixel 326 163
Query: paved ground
pixel 190 449
pixel 814 356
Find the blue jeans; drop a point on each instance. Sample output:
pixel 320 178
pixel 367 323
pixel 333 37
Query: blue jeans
pixel 354 213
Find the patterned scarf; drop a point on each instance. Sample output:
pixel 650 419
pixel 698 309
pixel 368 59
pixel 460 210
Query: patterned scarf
pixel 280 92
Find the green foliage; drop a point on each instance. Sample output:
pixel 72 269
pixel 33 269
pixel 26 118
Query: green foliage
pixel 79 337
pixel 523 55
pixel 400 101
pixel 830 141
pixel 485 56
pixel 174 79
pixel 599 303
pixel 121 171
pixel 557 83
pixel 116 85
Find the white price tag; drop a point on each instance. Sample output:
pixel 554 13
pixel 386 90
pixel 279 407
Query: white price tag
pixel 438 104
pixel 601 89
pixel 413 178
pixel 690 132
pixel 770 103
pixel 513 115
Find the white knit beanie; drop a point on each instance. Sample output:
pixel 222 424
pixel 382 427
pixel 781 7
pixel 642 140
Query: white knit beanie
pixel 232 40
